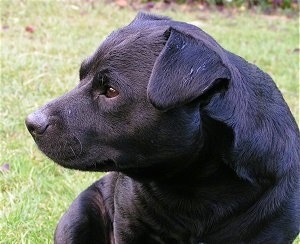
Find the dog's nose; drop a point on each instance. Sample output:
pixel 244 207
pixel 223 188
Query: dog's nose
pixel 36 123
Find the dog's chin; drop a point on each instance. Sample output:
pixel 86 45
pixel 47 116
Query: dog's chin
pixel 68 153
pixel 142 173
pixel 77 164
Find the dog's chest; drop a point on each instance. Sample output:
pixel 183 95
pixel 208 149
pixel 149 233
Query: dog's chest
pixel 146 228
pixel 142 215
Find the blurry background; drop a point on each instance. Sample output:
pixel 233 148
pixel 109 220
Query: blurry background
pixel 42 46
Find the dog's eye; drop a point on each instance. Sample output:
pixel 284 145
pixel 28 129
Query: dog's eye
pixel 101 86
pixel 111 92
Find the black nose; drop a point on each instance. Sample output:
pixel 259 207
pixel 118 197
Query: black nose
pixel 37 123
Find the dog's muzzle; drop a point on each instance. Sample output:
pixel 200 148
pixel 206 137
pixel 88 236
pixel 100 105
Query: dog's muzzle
pixel 37 123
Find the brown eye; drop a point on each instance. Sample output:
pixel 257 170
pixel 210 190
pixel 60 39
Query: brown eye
pixel 111 92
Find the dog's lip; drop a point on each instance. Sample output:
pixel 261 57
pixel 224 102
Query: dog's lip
pixel 105 165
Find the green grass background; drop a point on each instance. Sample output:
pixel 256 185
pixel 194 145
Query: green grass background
pixel 36 67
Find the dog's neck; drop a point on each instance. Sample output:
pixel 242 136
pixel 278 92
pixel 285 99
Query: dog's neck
pixel 207 161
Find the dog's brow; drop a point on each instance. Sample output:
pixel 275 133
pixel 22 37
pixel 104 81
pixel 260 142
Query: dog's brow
pixel 84 67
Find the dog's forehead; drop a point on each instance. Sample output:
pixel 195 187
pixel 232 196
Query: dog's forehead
pixel 128 43
pixel 142 29
pixel 144 35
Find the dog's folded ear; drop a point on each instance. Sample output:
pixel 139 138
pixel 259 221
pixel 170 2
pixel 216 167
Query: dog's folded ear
pixel 185 70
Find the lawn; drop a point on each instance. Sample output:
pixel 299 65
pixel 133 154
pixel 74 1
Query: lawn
pixel 41 62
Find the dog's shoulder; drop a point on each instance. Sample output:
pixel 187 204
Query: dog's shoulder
pixel 89 218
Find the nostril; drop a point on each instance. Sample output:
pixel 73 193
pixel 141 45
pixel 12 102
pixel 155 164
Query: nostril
pixel 36 123
pixel 30 127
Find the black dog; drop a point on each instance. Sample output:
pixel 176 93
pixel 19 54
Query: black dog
pixel 203 147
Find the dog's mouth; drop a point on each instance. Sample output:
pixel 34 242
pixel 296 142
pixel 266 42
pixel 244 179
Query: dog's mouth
pixel 82 163
pixel 104 166
pixel 70 152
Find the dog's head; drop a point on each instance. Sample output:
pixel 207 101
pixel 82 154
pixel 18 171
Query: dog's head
pixel 146 102
pixel 137 103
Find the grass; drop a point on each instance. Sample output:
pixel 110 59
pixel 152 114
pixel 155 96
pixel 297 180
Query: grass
pixel 38 66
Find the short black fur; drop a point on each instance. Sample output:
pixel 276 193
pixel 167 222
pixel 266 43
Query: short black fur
pixel 201 144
